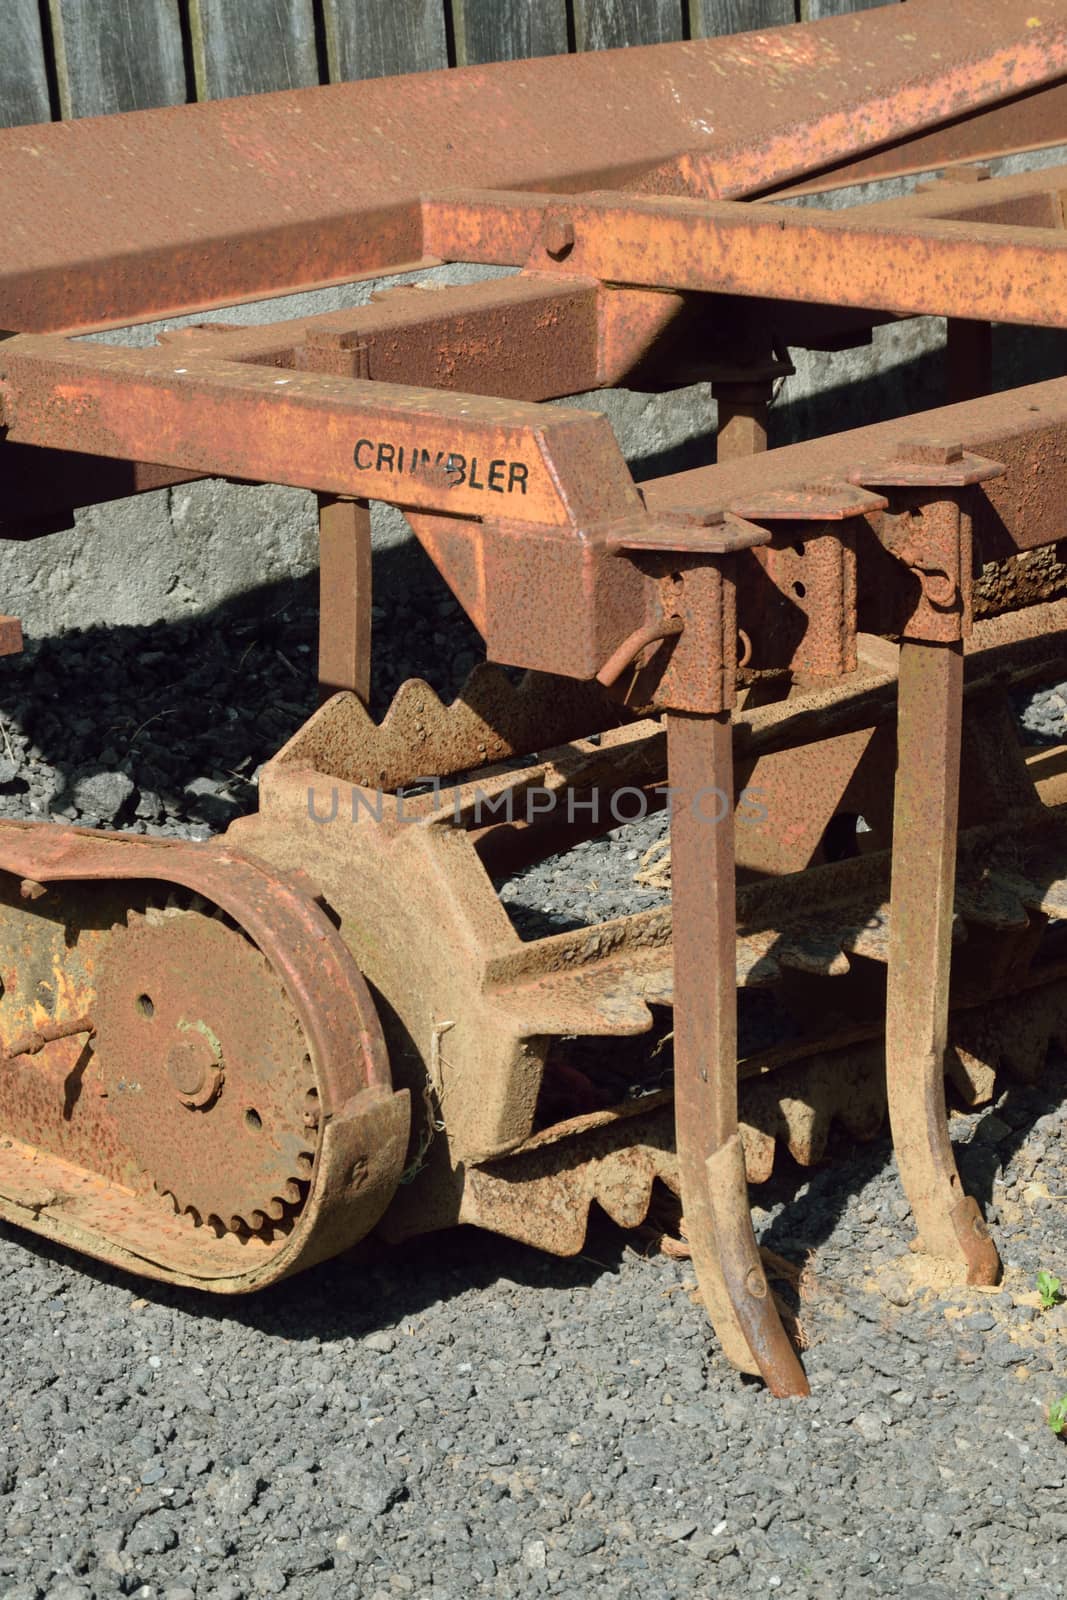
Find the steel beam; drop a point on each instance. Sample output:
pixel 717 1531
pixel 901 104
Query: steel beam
pixel 911 266
pixel 422 448
pixel 203 205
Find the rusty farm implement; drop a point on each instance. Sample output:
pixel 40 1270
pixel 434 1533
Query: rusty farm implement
pixel 220 1059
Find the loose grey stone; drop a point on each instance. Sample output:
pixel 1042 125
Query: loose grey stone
pixel 103 794
pixel 870 1426
pixel 381 1341
pixel 235 1493
pixel 675 1531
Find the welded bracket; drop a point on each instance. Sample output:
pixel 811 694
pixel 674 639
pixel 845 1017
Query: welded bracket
pixel 687 561
pixel 928 528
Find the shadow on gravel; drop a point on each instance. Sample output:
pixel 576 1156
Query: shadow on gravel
pixel 1021 1106
pixel 813 1201
pixel 187 710
pixel 350 1297
pixel 380 1288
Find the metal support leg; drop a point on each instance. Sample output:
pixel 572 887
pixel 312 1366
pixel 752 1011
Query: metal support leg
pixel 969 358
pixel 742 429
pixel 926 804
pixel 743 390
pixel 344 596
pixel 711 1161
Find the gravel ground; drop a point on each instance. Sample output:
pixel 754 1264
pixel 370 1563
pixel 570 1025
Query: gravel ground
pixel 467 1416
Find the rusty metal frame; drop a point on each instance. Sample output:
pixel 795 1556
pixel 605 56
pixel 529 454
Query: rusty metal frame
pixel 908 259
pixel 210 203
pixel 633 253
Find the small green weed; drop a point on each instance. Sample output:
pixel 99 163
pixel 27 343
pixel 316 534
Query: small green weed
pixel 1057 1415
pixel 1050 1288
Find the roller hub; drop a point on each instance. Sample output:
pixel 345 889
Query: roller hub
pixel 205 1067
pixel 194 1065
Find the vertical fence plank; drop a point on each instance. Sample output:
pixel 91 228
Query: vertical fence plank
pixel 23 79
pixel 111 58
pixel 375 38
pixel 708 17
pixel 608 24
pixel 252 47
pixel 812 10
pixel 506 30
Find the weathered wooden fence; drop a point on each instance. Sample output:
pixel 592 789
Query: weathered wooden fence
pixel 77 58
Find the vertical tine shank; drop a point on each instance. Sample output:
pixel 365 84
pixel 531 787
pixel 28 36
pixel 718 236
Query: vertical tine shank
pixel 710 1158
pixel 926 804
pixel 344 596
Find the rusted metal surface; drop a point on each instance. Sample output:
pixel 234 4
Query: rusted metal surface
pixel 32 1043
pixel 213 203
pixel 910 265
pixel 344 596
pixel 191 1019
pixel 100 1125
pixel 528 336
pixel 804 619
pixel 710 1162
pixel 490 721
pixel 1030 121
pixel 415 447
pixel 540 575
pixel 924 855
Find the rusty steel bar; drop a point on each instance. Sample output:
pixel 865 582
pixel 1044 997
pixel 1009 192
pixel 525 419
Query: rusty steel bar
pixel 344 596
pixel 710 1160
pixel 925 813
pixel 230 419
pixel 242 198
pixel 742 427
pixel 526 337
pixel 529 336
pixel 918 266
pixel 971 193
pixel 1030 121
pixel 10 636
pixel 415 447
pixel 1022 428
pixel 31 1044
pixel 743 390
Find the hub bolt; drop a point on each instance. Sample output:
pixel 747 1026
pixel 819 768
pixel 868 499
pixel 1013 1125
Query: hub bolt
pixel 194 1064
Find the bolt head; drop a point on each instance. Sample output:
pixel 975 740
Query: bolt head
pixel 558 237
pixel 756 1284
pixel 933 451
pixel 193 1070
pixel 692 516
